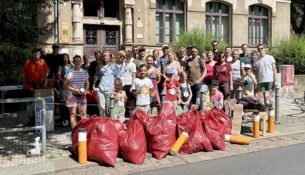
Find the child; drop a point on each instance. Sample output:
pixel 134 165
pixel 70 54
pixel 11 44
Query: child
pixel 216 96
pixel 141 87
pixel 248 81
pixel 119 100
pixel 186 92
pixel 172 87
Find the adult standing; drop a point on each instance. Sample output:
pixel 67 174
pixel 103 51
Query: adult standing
pixel 155 56
pixel 265 71
pixel 77 83
pixel 141 57
pixel 127 73
pixel 172 63
pixel 134 52
pixel 105 75
pixel 153 74
pixel 54 61
pixel 209 65
pixel 215 49
pixel 86 63
pixel 35 71
pixel 228 54
pixel 237 72
pixel 183 57
pixel 223 72
pixel 63 71
pixel 245 57
pixel 163 59
pixel 196 71
pixel 93 67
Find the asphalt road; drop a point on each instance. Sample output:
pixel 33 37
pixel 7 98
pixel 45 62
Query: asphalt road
pixel 288 160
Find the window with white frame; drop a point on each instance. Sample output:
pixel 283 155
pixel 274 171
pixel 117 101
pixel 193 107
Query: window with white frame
pixel 258 25
pixel 217 21
pixel 169 20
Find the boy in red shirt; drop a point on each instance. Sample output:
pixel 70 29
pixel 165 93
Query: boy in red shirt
pixel 172 88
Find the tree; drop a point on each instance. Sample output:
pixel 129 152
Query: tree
pixel 19 33
pixel 298 16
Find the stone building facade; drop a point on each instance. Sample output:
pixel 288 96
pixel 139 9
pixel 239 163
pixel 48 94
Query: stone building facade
pixel 87 25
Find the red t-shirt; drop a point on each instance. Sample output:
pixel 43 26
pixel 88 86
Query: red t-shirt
pixel 34 72
pixel 210 72
pixel 171 90
pixel 222 72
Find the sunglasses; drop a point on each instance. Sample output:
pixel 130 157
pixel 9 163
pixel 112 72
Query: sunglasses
pixel 260 48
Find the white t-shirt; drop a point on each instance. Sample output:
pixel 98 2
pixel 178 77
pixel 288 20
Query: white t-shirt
pixel 236 72
pixel 142 87
pixel 125 72
pixel 264 68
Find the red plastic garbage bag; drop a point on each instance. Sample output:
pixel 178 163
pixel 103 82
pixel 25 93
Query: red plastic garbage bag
pixel 91 97
pixel 197 140
pixel 223 118
pixel 214 129
pixel 102 139
pixel 132 142
pixel 160 131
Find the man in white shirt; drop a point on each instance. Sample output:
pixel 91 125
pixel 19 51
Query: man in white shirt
pixel 265 71
pixel 237 72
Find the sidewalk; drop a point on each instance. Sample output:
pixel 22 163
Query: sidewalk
pixel 59 159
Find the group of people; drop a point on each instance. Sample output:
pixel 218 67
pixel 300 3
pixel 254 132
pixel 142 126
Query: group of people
pixel 138 80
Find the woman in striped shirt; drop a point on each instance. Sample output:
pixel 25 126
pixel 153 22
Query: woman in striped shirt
pixel 77 83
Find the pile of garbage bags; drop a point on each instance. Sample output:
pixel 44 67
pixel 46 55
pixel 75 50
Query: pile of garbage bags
pixel 107 139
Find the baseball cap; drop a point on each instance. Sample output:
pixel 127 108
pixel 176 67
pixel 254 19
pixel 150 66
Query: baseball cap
pixel 55 45
pixel 35 50
pixel 248 66
pixel 165 46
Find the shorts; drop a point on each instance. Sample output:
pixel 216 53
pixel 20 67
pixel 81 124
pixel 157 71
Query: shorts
pixel 76 100
pixel 266 86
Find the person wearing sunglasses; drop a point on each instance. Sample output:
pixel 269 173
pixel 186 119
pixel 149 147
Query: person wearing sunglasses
pixel 266 72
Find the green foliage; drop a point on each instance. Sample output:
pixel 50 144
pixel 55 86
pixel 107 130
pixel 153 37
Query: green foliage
pixel 291 51
pixel 12 59
pixel 297 9
pixel 196 37
pixel 18 35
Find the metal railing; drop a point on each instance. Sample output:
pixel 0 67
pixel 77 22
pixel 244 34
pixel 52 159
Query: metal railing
pixel 31 128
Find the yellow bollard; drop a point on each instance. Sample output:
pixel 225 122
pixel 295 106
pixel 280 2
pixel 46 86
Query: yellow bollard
pixel 178 144
pixel 237 139
pixel 256 127
pixel 82 146
pixel 271 122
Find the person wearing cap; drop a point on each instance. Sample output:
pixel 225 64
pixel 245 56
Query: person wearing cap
pixel 141 57
pixel 172 87
pixel 54 61
pixel 248 81
pixel 163 59
pixel 216 97
pixel 35 72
